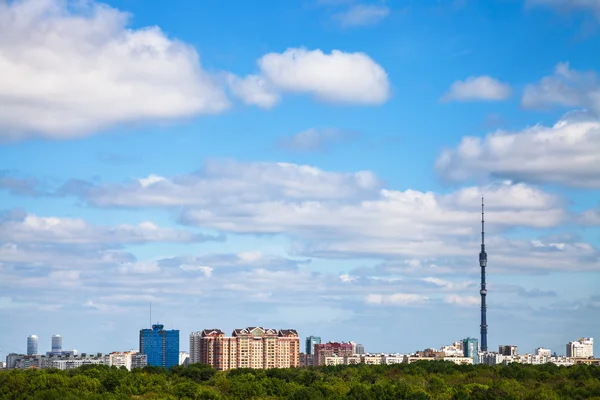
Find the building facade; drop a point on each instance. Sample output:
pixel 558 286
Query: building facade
pixel 310 344
pixel 56 344
pixel 253 347
pixel 542 352
pixel 582 348
pixel 508 350
pixel 160 346
pixel 470 348
pixel 331 349
pixel 32 345
pixel 127 359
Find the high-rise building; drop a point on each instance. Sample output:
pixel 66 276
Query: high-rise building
pixel 160 346
pixel 56 344
pixel 253 347
pixel 359 349
pixel 582 348
pixel 470 348
pixel 310 343
pixel 32 345
pixel 508 350
pixel 332 349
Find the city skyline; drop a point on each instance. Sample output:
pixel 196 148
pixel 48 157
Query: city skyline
pixel 312 164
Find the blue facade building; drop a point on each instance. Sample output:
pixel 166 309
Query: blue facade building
pixel 471 349
pixel 160 346
pixel 310 343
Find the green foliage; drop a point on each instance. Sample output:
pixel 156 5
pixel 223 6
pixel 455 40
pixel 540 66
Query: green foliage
pixel 418 381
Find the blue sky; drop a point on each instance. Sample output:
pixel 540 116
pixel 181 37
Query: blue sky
pixel 315 165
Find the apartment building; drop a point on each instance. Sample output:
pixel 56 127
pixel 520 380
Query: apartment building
pixel 582 348
pixel 253 347
pixel 331 349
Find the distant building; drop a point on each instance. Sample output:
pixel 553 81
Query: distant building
pixel 582 348
pixel 331 349
pixel 160 346
pixel 470 349
pixel 253 347
pixel 184 358
pixel 508 350
pixel 310 344
pixel 359 349
pixel 56 344
pixel 32 345
pixel 542 352
pixel 127 359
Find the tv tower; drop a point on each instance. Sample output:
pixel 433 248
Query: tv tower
pixel 483 291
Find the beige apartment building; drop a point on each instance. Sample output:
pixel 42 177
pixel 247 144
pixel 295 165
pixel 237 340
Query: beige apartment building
pixel 253 347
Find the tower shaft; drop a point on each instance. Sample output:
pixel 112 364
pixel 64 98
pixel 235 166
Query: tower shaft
pixel 483 291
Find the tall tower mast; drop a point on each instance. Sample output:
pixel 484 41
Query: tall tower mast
pixel 483 291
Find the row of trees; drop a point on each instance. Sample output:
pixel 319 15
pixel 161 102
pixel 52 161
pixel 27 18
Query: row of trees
pixel 421 380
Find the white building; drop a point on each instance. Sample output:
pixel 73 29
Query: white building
pixel 392 358
pixel 184 358
pixel 542 352
pixel 535 359
pixel 582 348
pixel 452 351
pixel 128 359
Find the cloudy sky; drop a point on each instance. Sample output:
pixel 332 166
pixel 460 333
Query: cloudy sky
pixel 307 164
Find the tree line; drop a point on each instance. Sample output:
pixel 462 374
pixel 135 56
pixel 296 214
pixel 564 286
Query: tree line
pixel 417 381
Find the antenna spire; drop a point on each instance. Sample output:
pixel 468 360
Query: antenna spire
pixel 483 291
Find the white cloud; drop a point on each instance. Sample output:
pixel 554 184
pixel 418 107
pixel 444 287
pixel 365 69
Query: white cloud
pixel 35 229
pixel 464 301
pixel 567 153
pixel 362 14
pixel 344 215
pixel 396 299
pixel 567 88
pixel 232 182
pixel 69 69
pixel 448 285
pixel 254 90
pixel 338 77
pixel 206 271
pixel 477 88
pixel 315 139
pixel 347 278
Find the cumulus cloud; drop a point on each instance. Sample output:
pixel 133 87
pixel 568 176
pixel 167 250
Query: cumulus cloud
pixel 229 182
pixel 362 14
pixel 254 90
pixel 338 77
pixel 567 153
pixel 348 215
pixel 315 139
pixel 69 69
pixel 567 87
pixel 478 88
pixel 34 229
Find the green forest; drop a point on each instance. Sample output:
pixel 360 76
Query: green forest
pixel 420 380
